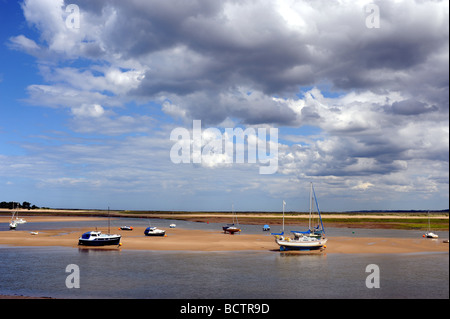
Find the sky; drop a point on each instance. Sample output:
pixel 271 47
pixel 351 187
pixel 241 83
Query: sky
pixel 92 93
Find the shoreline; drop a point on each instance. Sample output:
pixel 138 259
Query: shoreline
pixel 212 214
pixel 179 239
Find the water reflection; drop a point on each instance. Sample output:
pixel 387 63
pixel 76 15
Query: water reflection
pixel 303 253
pixel 93 250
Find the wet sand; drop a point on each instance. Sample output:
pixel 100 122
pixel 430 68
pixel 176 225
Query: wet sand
pixel 201 240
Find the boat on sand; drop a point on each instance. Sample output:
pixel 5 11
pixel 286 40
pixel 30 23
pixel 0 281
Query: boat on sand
pixel 153 231
pixel 429 233
pixel 232 228
pixel 96 238
pixel 312 239
pixel 125 228
pixel 12 223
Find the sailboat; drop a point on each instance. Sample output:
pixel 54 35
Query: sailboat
pixel 96 238
pixel 13 224
pixel 232 228
pixel 312 239
pixel 429 233
pixel 313 231
pixel 19 220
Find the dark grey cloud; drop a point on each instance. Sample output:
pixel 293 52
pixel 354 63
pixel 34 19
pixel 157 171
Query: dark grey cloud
pixel 209 48
pixel 412 107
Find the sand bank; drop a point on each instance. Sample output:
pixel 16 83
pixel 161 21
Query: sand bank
pixel 201 240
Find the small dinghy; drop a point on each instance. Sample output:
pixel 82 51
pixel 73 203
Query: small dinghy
pixel 126 228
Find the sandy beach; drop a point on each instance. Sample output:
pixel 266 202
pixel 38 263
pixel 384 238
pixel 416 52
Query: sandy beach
pixel 201 240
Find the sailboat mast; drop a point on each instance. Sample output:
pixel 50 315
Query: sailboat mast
pixel 310 205
pixel 284 203
pixel 232 211
pixel 237 221
pixel 109 231
pixel 318 210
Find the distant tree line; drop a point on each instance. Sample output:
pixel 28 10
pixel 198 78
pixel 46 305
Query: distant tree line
pixel 14 205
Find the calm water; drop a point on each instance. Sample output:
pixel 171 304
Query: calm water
pixel 35 271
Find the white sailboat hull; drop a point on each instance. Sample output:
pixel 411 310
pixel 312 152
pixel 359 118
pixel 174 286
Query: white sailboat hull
pixel 303 243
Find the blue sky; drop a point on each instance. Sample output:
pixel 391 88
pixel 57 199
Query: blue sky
pixel 86 111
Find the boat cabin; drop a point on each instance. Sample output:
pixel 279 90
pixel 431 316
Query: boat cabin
pixel 91 235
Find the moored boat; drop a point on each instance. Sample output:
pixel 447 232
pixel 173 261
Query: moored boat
pixel 301 243
pixel 19 220
pixel 232 228
pixel 312 239
pixel 224 228
pixel 429 233
pixel 96 238
pixel 153 231
pixel 15 220
pixel 125 228
pixel 12 225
